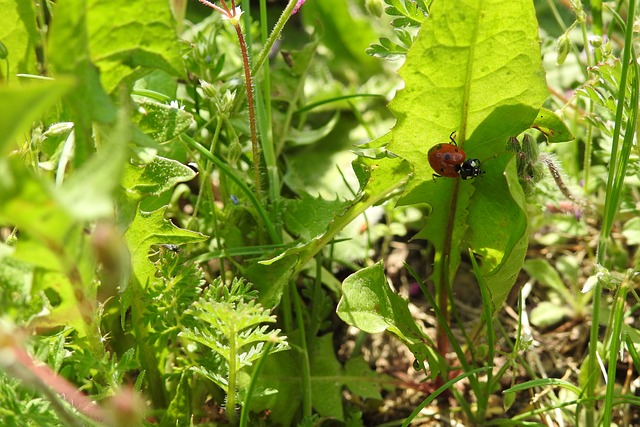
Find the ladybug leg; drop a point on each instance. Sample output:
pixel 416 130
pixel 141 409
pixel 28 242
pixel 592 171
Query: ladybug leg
pixel 452 139
pixel 435 175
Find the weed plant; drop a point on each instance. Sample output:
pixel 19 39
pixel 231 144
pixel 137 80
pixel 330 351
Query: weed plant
pixel 224 213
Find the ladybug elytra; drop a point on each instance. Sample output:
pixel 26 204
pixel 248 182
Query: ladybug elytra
pixel 448 160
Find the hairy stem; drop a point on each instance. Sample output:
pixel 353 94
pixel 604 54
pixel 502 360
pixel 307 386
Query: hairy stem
pixel 252 113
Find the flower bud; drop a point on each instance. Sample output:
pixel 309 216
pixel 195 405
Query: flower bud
pixel 595 41
pixel 563 47
pixel 208 89
pixel 374 7
pixel 235 151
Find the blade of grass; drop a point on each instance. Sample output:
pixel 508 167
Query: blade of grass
pixel 439 391
pixel 487 316
pixel 615 181
pixel 613 347
pixel 313 105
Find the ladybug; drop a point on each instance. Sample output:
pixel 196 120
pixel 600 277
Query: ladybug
pixel 449 160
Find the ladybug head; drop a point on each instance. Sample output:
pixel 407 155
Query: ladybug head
pixel 470 169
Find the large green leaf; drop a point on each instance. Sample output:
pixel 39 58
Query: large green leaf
pixel 130 38
pixel 19 35
pixel 28 203
pixel 369 304
pixel 69 56
pixel 474 68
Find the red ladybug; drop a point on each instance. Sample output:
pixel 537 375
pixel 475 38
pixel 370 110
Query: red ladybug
pixel 449 160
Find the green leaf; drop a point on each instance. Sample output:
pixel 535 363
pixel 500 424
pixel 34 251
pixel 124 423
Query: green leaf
pixel 16 278
pixel 387 50
pixel 475 72
pixel 498 230
pixel 631 231
pixel 149 229
pixel 28 203
pixel 309 217
pixel 414 12
pixel 19 35
pixel 326 378
pixel 156 177
pixel 362 380
pixel 130 38
pixel 162 122
pixel 369 304
pixel 69 56
pixel 21 106
pixel 67 309
pixel 547 313
pixel 309 136
pixel 552 126
pixel 52 241
pixel 540 270
pixel 488 70
pixel 180 406
pixel 282 372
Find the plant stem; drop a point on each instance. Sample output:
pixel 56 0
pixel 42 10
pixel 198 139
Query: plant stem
pixel 591 107
pixel 263 105
pixel 304 355
pixel 244 410
pixel 275 34
pixel 252 113
pixel 596 16
pixel 206 183
pixel 231 392
pixel 443 284
pixel 613 346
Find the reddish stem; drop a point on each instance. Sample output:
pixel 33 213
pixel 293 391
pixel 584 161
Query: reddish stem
pixel 252 114
pixel 61 386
